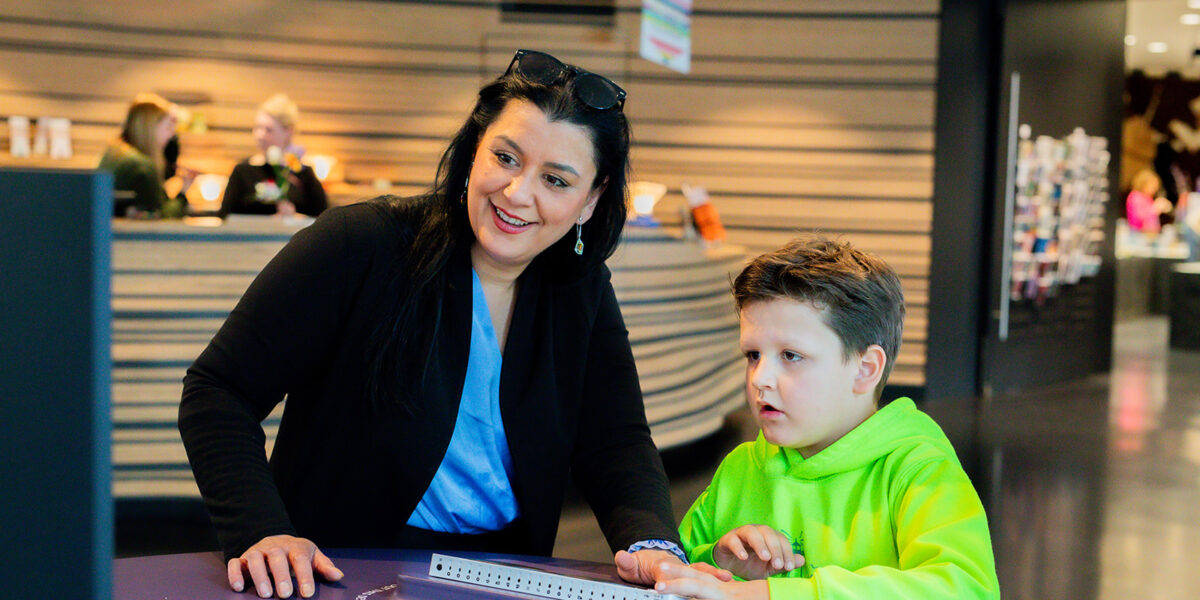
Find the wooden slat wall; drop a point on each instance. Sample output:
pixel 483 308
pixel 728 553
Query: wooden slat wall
pixel 798 115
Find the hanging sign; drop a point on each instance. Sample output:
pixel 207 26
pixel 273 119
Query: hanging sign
pixel 667 33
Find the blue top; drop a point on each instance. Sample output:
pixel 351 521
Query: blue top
pixel 470 493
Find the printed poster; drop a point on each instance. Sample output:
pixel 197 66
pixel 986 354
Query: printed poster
pixel 667 33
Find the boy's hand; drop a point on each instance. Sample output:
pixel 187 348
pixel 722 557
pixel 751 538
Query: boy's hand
pixel 755 552
pixel 690 582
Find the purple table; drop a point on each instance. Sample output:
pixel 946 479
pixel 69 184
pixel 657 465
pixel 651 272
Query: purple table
pixel 371 574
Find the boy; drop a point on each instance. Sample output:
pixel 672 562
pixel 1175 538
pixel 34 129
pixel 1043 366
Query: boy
pixel 836 498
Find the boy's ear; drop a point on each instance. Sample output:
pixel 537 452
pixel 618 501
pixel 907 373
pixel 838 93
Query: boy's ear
pixel 870 369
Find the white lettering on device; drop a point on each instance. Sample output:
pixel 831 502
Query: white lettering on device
pixel 364 595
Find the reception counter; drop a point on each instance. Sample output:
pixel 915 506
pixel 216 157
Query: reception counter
pixel 175 282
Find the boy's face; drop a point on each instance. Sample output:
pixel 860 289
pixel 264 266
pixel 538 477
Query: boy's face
pixel 800 390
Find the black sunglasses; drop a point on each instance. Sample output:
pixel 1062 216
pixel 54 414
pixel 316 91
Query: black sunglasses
pixel 594 90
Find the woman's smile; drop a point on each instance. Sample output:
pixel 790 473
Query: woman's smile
pixel 509 224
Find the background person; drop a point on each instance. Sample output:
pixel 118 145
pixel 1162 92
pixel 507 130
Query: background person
pixel 1143 206
pixel 136 161
pixel 448 359
pixel 274 181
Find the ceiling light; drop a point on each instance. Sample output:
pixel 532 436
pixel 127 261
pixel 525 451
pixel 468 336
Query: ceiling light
pixel 1131 40
pixel 1194 4
pixel 1190 19
pixel 1156 47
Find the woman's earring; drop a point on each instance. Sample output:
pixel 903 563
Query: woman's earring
pixel 466 183
pixel 579 236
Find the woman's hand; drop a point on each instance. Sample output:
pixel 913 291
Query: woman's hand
pixel 647 567
pixel 755 552
pixel 186 177
pixel 691 582
pixel 285 208
pixel 278 557
pixel 1163 206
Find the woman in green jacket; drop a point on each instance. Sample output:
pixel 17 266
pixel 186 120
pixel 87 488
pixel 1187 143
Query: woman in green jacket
pixel 135 159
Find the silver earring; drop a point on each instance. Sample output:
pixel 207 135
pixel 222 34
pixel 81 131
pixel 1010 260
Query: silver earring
pixel 579 236
pixel 466 183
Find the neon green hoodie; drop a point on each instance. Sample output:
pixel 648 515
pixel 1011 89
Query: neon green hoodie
pixel 884 512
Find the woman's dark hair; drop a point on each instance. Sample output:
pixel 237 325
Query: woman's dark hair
pixel 404 343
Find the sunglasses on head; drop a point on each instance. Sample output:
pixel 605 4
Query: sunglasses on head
pixel 594 90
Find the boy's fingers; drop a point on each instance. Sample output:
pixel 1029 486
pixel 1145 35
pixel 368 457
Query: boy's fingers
pixel 754 537
pixel 773 541
pixel 691 583
pixel 736 547
pixel 717 572
pixel 785 546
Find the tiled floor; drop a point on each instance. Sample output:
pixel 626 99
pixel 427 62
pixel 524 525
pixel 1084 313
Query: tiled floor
pixel 1092 488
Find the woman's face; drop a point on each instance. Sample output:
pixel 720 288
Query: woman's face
pixel 530 182
pixel 268 132
pixel 164 130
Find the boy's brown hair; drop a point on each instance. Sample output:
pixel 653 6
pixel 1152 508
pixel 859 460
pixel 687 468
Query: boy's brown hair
pixel 859 292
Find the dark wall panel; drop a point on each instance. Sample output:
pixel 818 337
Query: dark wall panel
pixel 56 507
pixel 962 181
pixel 1070 56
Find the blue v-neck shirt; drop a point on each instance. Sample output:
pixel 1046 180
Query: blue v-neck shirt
pixel 471 493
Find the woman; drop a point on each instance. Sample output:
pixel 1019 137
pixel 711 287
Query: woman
pixel 447 359
pixel 1143 206
pixel 274 181
pixel 136 161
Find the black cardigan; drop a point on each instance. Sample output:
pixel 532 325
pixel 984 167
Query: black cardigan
pixel 345 475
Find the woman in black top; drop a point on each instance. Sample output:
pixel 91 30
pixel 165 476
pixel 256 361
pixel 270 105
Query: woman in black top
pixel 366 321
pixel 274 181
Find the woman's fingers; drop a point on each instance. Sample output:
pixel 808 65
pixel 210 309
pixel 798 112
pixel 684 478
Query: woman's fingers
pixel 256 564
pixel 276 558
pixel 325 567
pixel 237 581
pixel 281 571
pixel 302 566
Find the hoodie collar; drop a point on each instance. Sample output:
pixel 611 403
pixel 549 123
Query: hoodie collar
pixel 881 433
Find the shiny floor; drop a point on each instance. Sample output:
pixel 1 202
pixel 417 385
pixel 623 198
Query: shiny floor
pixel 1092 487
